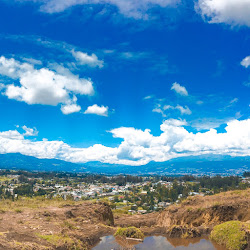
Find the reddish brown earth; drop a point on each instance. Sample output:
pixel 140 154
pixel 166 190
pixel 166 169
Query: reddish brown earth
pixel 80 225
pixel 197 215
pixel 74 226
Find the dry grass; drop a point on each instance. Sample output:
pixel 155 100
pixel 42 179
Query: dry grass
pixel 34 203
pixel 59 240
pixel 208 210
pixel 53 224
pixel 216 200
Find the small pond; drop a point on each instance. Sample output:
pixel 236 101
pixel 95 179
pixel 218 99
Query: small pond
pixel 156 242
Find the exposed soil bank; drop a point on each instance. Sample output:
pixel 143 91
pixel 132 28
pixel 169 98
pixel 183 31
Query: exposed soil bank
pixel 56 227
pixel 207 211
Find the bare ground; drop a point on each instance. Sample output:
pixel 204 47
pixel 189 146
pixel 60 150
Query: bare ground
pixel 80 225
pixel 55 227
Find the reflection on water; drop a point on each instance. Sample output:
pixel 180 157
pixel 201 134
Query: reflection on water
pixel 157 242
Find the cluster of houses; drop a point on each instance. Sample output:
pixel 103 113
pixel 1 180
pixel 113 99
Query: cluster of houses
pixel 82 191
pixel 85 191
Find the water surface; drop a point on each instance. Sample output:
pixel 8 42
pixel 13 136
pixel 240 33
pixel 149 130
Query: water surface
pixel 157 242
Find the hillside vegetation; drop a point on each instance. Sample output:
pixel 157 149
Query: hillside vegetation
pixel 232 234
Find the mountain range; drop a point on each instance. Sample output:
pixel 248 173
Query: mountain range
pixel 195 165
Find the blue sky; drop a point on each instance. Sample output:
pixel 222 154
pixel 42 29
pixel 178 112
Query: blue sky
pixel 124 81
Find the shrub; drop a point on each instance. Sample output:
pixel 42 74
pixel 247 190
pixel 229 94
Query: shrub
pixel 68 225
pixel 18 210
pixel 200 209
pixel 230 234
pixel 130 232
pixel 108 222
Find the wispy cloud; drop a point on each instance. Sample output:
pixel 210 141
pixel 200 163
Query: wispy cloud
pixel 129 8
pixel 181 90
pixel 148 97
pixel 220 68
pixel 78 59
pixel 246 62
pixel 89 60
pixel 151 61
pixel 29 131
pixel 162 109
pixel 230 104
pixel 69 55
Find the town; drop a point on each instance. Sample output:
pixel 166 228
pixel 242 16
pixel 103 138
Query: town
pixel 125 194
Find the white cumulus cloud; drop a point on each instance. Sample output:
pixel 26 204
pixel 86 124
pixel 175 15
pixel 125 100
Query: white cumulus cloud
pixel 138 146
pixel 43 86
pixel 181 90
pixel 232 12
pixel 70 108
pixel 97 110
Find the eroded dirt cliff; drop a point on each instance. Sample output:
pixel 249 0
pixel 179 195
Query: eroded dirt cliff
pixel 197 215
